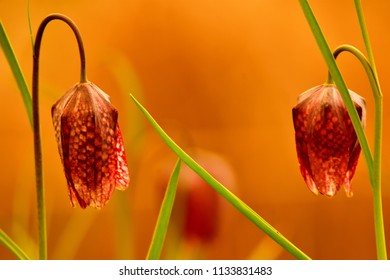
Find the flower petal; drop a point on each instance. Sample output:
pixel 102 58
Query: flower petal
pixel 122 173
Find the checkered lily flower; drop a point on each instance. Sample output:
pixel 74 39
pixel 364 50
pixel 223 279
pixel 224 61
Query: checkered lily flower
pixel 90 145
pixel 326 142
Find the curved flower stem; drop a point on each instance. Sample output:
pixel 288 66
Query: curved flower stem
pixel 377 93
pixel 42 238
pixel 249 213
pixel 366 65
pixel 373 162
pixel 375 172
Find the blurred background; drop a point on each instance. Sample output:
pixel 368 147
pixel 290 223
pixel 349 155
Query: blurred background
pixel 220 77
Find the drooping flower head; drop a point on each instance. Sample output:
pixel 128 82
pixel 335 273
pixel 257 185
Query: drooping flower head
pixel 326 143
pixel 90 145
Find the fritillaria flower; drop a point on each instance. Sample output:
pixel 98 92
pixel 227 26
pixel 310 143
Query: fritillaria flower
pixel 90 145
pixel 203 206
pixel 198 207
pixel 326 143
pixel 202 210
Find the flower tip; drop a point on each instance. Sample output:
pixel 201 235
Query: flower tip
pixel 121 187
pixel 311 185
pixel 330 191
pixel 348 190
pixel 349 194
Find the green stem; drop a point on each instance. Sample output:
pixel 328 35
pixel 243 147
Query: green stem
pixel 42 238
pixel 366 39
pixel 380 237
pixel 377 184
pixel 379 224
pixel 12 246
pixel 375 172
pixel 222 190
pixel 164 216
pixel 378 212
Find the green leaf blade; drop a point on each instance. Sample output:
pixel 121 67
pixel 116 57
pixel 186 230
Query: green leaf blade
pixel 17 72
pixel 165 215
pixel 243 208
pixel 12 246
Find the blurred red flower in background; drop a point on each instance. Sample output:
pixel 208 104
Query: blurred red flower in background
pixel 198 206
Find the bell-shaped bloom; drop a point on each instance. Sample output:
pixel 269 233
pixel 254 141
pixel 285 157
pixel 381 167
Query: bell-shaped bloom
pixel 90 145
pixel 326 143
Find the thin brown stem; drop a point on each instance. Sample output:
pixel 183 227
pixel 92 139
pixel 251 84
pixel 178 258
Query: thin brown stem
pixel 42 238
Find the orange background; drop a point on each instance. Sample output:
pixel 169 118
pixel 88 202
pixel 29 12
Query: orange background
pixel 218 75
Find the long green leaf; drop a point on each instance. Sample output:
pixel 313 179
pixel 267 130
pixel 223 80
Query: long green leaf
pixel 17 72
pixel 244 209
pixel 12 246
pixel 164 216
